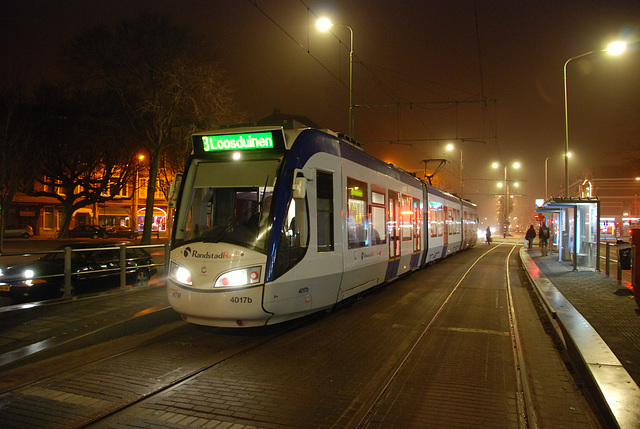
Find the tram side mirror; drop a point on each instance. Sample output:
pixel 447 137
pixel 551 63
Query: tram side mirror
pixel 173 191
pixel 299 187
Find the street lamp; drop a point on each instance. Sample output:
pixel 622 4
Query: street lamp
pixel 615 48
pixel 324 24
pixel 506 194
pixel 450 147
pixel 546 169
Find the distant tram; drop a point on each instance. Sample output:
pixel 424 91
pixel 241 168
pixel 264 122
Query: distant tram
pixel 272 224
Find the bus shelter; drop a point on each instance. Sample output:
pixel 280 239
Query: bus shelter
pixel 574 222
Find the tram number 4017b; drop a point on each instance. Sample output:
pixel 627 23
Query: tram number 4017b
pixel 241 300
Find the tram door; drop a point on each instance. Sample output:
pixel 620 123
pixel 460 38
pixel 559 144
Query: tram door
pixel 394 235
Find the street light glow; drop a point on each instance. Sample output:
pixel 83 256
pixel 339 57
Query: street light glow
pixel 449 146
pixel 324 24
pixel 516 165
pixel 616 48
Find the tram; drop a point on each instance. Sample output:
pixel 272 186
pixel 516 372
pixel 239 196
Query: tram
pixel 274 223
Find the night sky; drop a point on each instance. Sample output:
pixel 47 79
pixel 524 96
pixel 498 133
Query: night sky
pixel 422 73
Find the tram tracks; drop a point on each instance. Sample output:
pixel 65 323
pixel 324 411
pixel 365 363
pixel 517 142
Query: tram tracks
pixel 89 393
pixel 526 414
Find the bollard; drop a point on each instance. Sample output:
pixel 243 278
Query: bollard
pixel 635 271
pixel 67 288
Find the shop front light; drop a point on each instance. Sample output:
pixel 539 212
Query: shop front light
pixel 180 274
pixel 241 277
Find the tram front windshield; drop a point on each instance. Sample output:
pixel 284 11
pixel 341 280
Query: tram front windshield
pixel 227 202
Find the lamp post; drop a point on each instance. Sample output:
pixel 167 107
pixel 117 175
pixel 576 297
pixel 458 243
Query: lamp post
pixel 450 147
pixel 506 195
pixel 615 48
pixel 324 24
pixel 134 206
pixel 546 169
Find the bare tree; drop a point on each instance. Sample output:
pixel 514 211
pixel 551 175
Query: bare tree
pixel 84 160
pixel 167 82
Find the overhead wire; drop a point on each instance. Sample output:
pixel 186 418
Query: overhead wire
pixel 373 70
pixel 294 40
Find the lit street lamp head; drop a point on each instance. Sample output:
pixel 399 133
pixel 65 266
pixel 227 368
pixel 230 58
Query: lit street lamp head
pixel 616 48
pixel 324 24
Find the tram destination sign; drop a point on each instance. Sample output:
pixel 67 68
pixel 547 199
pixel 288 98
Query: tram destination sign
pixel 213 145
pixel 246 141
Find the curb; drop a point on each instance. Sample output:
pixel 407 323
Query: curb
pixel 615 391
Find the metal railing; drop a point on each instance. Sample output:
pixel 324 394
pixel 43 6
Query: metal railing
pixel 68 273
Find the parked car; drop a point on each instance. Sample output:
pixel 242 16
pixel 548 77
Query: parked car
pixel 122 232
pixel 88 231
pixel 24 231
pixel 92 269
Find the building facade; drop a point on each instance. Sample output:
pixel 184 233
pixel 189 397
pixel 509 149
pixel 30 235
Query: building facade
pixel 44 214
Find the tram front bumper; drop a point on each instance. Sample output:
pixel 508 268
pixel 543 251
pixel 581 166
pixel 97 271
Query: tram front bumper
pixel 240 307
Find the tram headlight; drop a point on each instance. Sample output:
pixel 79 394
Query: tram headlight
pixel 241 277
pixel 180 274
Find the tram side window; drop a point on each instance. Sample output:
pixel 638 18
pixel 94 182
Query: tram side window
pixel 394 234
pixel 406 216
pixel 357 213
pixel 433 218
pixel 294 236
pixel 324 190
pixel 417 222
pixel 378 218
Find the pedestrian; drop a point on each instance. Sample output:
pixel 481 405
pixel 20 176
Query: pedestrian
pixel 529 236
pixel 543 235
pixel 487 234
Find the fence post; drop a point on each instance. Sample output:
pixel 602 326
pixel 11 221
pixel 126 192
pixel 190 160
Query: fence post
pixel 123 265
pixel 607 253
pixel 67 273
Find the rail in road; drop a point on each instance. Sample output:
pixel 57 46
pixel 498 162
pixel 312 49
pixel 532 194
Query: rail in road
pixel 442 347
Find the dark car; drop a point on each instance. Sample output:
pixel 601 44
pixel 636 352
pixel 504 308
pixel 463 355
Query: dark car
pixel 122 232
pixel 88 231
pixel 92 270
pixel 24 231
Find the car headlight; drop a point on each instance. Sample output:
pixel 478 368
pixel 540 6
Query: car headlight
pixel 241 277
pixel 28 274
pixel 180 274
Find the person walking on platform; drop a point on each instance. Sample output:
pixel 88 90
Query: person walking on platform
pixel 529 236
pixel 487 235
pixel 543 235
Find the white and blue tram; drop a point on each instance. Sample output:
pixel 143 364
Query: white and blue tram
pixel 272 224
